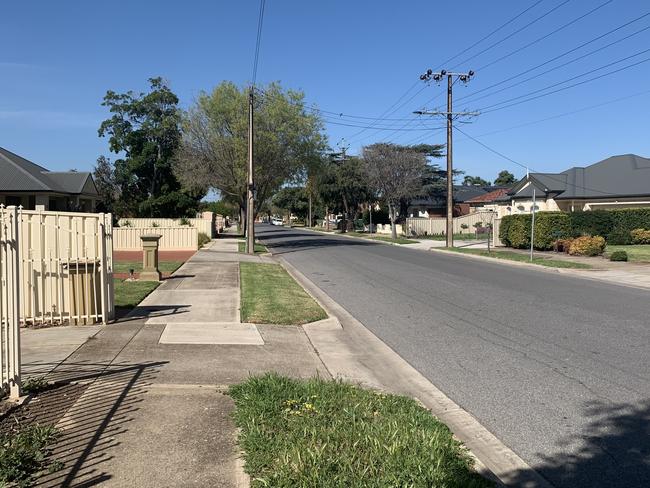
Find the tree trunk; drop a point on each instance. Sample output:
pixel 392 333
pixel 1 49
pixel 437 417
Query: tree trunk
pixel 393 227
pixel 242 220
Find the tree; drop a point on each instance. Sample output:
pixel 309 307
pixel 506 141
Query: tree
pixel 505 178
pixel 145 127
pixel 107 187
pixel 475 181
pixel 292 200
pixel 342 187
pixel 395 173
pixel 214 154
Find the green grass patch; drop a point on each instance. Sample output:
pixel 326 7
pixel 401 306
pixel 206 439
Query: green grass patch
pixel 383 238
pixel 269 295
pixel 521 257
pixel 23 455
pixel 639 253
pixel 298 433
pixel 129 293
pixel 259 248
pixel 163 266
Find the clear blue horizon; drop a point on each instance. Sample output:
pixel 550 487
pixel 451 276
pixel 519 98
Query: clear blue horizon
pixel 350 58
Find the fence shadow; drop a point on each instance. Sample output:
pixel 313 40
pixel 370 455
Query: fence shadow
pixel 614 450
pixel 91 428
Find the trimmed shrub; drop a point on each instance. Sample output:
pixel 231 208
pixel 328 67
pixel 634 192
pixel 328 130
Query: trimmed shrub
pixel 640 236
pixel 203 239
pixel 614 225
pixel 562 245
pixel 618 256
pixel 549 227
pixel 587 246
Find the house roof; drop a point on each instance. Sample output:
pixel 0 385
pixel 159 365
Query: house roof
pixel 462 194
pixel 489 197
pixel 21 175
pixel 622 176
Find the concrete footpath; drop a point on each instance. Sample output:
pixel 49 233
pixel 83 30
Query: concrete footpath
pixel 154 413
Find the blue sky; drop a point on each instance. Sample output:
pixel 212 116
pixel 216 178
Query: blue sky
pixel 57 59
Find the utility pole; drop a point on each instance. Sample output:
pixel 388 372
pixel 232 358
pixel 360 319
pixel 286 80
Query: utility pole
pixel 250 202
pixel 450 115
pixel 532 225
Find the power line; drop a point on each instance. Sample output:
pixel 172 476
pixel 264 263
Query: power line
pixel 489 35
pixel 555 58
pixel 537 19
pixel 501 106
pixel 549 176
pixel 539 39
pixel 259 40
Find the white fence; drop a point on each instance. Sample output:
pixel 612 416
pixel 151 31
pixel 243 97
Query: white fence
pixel 181 238
pixel 496 225
pixel 202 225
pixel 424 226
pixel 386 229
pixel 55 268
pixel 9 302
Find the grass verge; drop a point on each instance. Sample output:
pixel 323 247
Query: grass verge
pixel 259 248
pixel 332 434
pixel 639 253
pixel 375 237
pixel 129 293
pixel 269 295
pixel 520 257
pixel 23 454
pixel 136 266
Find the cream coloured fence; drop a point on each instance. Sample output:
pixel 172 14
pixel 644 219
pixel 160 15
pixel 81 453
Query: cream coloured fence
pixel 202 225
pixel 424 226
pixel 181 238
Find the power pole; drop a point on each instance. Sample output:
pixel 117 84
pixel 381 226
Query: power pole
pixel 450 115
pixel 250 202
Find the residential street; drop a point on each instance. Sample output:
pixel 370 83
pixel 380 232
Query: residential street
pixel 555 366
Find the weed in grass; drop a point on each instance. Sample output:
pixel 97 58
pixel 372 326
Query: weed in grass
pixel 24 454
pixel 333 434
pixel 34 385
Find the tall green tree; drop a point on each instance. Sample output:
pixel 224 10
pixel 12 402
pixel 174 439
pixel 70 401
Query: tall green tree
pixel 292 200
pixel 214 149
pixel 505 178
pixel 475 181
pixel 107 187
pixel 145 129
pixel 395 173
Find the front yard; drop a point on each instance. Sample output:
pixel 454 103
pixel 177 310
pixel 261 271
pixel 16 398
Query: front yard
pixel 521 257
pixel 333 434
pixel 636 253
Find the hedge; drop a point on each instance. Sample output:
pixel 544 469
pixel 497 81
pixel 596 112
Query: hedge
pixel 549 227
pixel 614 225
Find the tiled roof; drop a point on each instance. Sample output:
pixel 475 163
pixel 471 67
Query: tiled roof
pixel 489 197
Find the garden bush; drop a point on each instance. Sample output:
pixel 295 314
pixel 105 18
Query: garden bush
pixel 549 227
pixel 640 236
pixel 587 246
pixel 203 239
pixel 614 225
pixel 378 217
pixel 562 245
pixel 618 256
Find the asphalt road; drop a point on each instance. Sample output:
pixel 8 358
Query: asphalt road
pixel 557 367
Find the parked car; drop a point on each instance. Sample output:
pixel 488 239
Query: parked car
pixel 277 221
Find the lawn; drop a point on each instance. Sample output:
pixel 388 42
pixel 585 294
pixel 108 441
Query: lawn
pixel 259 248
pixel 269 295
pixel 521 257
pixel 332 434
pixel 164 266
pixel 383 238
pixel 639 253
pixel 129 293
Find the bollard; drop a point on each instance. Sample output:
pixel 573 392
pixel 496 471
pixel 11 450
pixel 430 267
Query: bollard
pixel 150 270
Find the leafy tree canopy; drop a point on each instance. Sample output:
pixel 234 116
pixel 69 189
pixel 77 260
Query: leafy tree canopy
pixel 505 178
pixel 475 181
pixel 145 129
pixel 214 149
pixel 292 200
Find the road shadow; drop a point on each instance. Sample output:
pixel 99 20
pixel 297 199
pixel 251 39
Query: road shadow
pixel 613 451
pixel 285 247
pixel 91 428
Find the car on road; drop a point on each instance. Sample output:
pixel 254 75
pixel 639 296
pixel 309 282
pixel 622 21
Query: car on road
pixel 276 221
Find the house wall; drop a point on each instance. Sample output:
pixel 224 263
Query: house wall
pixel 50 201
pixel 525 207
